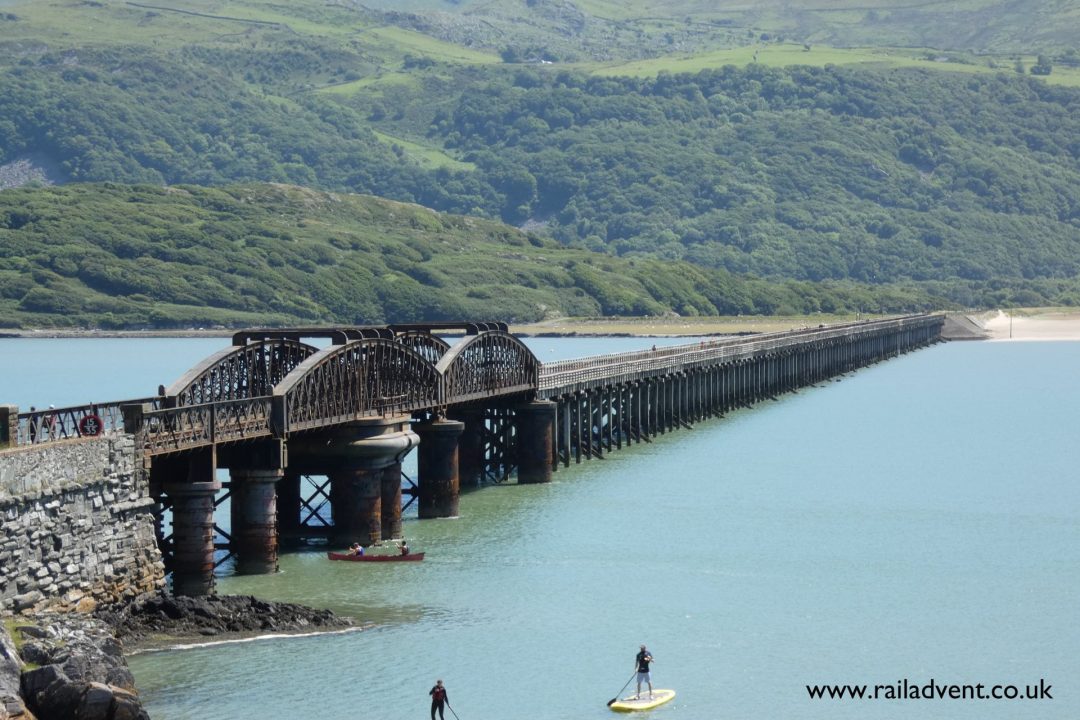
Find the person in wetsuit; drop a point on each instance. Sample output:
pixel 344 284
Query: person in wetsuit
pixel 439 698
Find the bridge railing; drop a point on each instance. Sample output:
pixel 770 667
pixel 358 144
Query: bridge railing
pixel 620 367
pixel 187 427
pixel 76 421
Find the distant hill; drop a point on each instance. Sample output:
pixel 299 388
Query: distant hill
pixel 859 178
pixel 116 256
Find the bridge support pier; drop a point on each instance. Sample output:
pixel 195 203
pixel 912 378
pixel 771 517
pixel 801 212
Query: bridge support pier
pixel 254 520
pixel 438 468
pixel 356 503
pixel 390 513
pixel 535 433
pixel 193 535
pixel 359 458
pixel 288 508
pixel 470 447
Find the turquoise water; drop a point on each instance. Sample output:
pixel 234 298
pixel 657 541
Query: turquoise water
pixel 919 519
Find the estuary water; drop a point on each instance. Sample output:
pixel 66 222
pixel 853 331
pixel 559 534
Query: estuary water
pixel 917 520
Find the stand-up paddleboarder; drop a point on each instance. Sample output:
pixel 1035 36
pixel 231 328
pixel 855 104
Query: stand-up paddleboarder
pixel 439 698
pixel 643 675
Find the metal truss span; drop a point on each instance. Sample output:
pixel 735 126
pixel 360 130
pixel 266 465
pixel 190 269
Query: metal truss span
pixel 361 379
pixel 485 365
pixel 428 345
pixel 239 373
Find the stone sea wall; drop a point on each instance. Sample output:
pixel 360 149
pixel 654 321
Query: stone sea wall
pixel 76 526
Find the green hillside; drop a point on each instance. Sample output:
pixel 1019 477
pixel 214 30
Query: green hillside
pixel 916 174
pixel 809 173
pixel 664 26
pixel 134 256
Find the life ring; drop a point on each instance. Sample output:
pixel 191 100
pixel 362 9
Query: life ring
pixel 91 426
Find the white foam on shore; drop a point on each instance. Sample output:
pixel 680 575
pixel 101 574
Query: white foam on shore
pixel 235 641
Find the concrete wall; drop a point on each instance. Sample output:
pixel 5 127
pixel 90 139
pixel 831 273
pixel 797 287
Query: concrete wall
pixel 76 525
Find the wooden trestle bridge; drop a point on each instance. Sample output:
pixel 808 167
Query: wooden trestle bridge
pixel 272 407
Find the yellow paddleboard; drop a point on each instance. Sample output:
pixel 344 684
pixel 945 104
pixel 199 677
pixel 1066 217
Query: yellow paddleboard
pixel 633 702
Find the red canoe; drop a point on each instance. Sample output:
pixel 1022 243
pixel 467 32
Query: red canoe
pixel 411 557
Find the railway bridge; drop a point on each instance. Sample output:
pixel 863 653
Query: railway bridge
pixel 346 405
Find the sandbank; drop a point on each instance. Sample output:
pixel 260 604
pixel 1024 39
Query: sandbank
pixel 1030 324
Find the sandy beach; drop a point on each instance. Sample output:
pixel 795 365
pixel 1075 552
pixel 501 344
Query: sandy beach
pixel 1027 325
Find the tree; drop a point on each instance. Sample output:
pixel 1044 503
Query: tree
pixel 1042 66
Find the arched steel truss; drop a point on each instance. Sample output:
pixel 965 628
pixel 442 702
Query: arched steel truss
pixel 485 365
pixel 428 345
pixel 239 372
pixel 361 379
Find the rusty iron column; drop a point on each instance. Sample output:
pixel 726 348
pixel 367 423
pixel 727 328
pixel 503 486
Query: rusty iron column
pixel 193 535
pixel 391 502
pixel 535 425
pixel 355 457
pixel 437 469
pixel 577 427
pixel 288 508
pixel 254 520
pixel 564 429
pixel 356 504
pixel 470 447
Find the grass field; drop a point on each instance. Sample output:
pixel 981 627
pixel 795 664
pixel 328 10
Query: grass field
pixel 784 54
pixel 408 41
pixel 167 24
pixel 171 24
pixel 991 26
pixel 425 155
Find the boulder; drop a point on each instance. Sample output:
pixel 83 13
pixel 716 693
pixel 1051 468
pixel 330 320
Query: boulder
pixel 59 700
pixel 12 708
pixel 26 601
pixel 35 653
pixel 126 706
pixel 11 705
pixel 35 681
pixel 96 703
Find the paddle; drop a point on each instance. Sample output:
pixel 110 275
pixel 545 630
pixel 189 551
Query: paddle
pixel 612 700
pixel 452 710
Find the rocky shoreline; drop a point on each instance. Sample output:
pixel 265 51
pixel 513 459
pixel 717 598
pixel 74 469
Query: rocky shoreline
pixel 56 666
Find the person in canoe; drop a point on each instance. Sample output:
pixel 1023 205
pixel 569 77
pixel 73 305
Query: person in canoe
pixel 644 657
pixel 356 549
pixel 439 698
pixel 404 547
